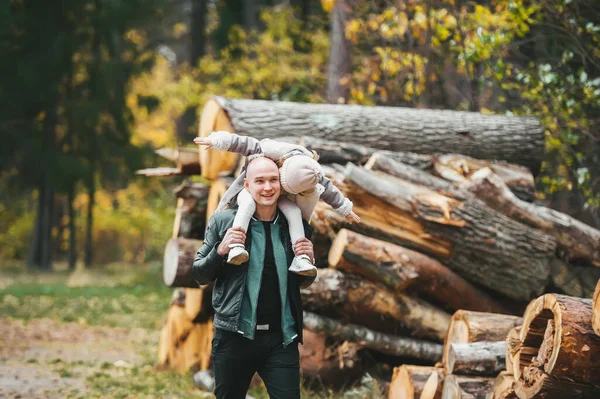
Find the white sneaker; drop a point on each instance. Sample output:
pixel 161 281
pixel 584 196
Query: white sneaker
pixel 301 265
pixel 237 255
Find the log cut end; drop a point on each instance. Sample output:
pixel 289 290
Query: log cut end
pixel 170 262
pixel 177 262
pixel 336 251
pixel 596 309
pixel 458 332
pixel 411 382
pixel 212 161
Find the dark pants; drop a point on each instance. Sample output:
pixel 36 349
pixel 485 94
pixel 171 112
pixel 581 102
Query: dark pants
pixel 236 359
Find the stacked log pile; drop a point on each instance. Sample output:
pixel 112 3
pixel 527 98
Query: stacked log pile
pixel 442 234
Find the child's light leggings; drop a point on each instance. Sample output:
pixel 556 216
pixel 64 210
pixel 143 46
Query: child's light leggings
pixel 293 212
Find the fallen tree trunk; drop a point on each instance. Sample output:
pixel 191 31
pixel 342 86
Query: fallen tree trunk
pixel 564 355
pixel 457 387
pixel 397 268
pixel 596 309
pixel 186 159
pixel 578 240
pixel 390 128
pixel 468 326
pixel 380 342
pixel 488 247
pixel 190 217
pixel 177 263
pixel 416 382
pixel 349 298
pixel 329 364
pixel 482 358
pixel 503 388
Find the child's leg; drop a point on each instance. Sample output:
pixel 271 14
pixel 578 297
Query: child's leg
pixel 307 202
pixel 246 208
pixel 301 264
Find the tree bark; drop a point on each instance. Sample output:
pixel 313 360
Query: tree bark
pixel 398 268
pixel 486 246
pixel 340 64
pixel 561 352
pixel 477 358
pixel 596 309
pixel 578 240
pixel 416 382
pixel 177 263
pixel 384 343
pixel 190 218
pixel 392 128
pixel 349 298
pixel 468 326
pixel 331 364
pixel 457 387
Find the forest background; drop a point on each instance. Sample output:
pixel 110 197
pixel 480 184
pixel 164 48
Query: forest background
pixel 89 89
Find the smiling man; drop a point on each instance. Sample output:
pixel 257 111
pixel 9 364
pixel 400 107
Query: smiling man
pixel 258 309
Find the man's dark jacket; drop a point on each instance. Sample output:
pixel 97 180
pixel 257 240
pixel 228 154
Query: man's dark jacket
pixel 230 280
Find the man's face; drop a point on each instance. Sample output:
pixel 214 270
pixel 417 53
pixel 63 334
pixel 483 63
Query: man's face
pixel 262 181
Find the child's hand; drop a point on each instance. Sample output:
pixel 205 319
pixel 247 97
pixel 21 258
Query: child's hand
pixel 203 141
pixel 352 218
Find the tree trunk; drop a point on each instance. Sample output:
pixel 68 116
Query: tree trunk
pixel 348 298
pixel 72 230
pixel 487 247
pixel 504 387
pixel 177 264
pixel 477 358
pixel 560 356
pixel 467 326
pixel 390 128
pixel 578 240
pixel 198 31
pixel 340 64
pixel 398 268
pixel 33 255
pixel 457 387
pixel 384 343
pixel 416 382
pixel 596 309
pixel 89 245
pixel 331 364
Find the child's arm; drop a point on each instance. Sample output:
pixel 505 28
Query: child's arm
pixel 334 197
pixel 225 141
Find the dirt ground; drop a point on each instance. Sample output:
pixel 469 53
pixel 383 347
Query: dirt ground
pixel 42 358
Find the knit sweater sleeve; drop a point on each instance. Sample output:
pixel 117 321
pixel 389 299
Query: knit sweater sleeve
pixel 334 197
pixel 225 141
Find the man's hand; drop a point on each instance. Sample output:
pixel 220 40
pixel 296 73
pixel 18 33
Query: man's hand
pixel 304 247
pixel 234 235
pixel 203 141
pixel 353 218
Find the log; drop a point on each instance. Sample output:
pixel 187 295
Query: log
pixel 578 240
pixel 198 303
pixel 159 172
pixel 482 358
pixel 397 268
pixel 487 247
pixel 351 299
pixel 177 262
pixel 596 309
pixel 186 159
pixel 163 347
pixel 503 388
pixel 416 382
pixel 572 279
pixel 213 163
pixel 513 345
pixel 468 326
pixel 190 218
pixel 459 387
pixel 562 352
pixel 329 363
pixel 217 189
pixel 383 343
pixel 197 347
pixel 389 128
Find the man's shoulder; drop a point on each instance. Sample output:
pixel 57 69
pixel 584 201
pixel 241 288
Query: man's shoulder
pixel 224 216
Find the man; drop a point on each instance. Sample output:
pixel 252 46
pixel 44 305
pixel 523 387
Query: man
pixel 258 309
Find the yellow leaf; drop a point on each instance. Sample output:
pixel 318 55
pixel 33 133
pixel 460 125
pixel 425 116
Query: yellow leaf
pixel 327 5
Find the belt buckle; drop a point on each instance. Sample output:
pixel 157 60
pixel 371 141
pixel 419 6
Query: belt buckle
pixel 262 327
